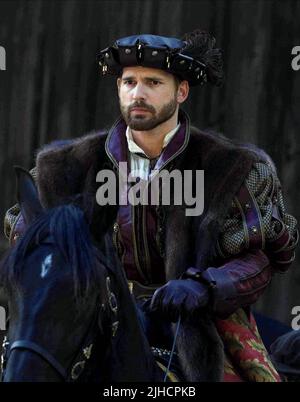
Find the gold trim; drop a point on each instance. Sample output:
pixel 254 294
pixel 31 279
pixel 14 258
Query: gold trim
pixel 79 365
pixel 173 377
pixel 140 291
pixel 88 351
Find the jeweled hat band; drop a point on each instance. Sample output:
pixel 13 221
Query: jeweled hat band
pixel 155 52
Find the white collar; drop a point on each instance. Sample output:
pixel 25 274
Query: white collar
pixel 134 148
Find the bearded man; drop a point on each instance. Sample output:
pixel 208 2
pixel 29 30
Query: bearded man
pixel 207 270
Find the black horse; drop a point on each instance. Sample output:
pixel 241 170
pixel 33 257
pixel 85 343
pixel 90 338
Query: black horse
pixel 71 315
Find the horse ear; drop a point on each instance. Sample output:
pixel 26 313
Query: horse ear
pixel 27 195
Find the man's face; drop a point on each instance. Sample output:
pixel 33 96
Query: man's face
pixel 148 97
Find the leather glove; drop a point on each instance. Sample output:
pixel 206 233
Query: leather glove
pixel 182 297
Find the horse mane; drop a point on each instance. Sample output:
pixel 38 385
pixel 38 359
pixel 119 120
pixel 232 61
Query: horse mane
pixel 70 233
pixel 130 357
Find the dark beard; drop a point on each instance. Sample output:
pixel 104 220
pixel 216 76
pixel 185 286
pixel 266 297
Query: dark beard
pixel 144 123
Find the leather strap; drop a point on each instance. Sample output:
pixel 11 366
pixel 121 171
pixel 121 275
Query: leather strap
pixel 252 221
pixel 33 347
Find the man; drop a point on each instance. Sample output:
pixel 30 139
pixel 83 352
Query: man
pixel 202 271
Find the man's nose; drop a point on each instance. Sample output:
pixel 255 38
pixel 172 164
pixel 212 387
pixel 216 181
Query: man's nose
pixel 138 92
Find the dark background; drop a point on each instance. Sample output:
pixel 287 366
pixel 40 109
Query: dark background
pixel 51 88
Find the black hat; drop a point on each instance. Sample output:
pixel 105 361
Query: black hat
pixel 193 58
pixel 285 353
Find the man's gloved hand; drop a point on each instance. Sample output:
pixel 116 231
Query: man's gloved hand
pixel 179 297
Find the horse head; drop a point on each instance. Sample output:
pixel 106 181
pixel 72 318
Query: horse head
pixel 71 314
pixel 58 292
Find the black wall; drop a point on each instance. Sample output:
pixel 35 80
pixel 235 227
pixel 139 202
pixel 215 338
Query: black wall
pixel 51 87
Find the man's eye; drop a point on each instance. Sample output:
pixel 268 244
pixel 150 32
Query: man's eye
pixel 155 83
pixel 128 82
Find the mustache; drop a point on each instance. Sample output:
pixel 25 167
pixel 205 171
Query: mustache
pixel 141 104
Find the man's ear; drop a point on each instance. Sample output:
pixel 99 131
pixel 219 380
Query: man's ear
pixel 183 91
pixel 27 195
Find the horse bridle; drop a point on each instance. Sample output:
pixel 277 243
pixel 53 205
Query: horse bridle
pixel 79 363
pixel 42 352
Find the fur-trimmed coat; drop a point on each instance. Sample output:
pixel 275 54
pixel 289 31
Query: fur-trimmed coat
pixel 70 169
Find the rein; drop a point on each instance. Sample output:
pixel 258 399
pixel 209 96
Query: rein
pixel 173 349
